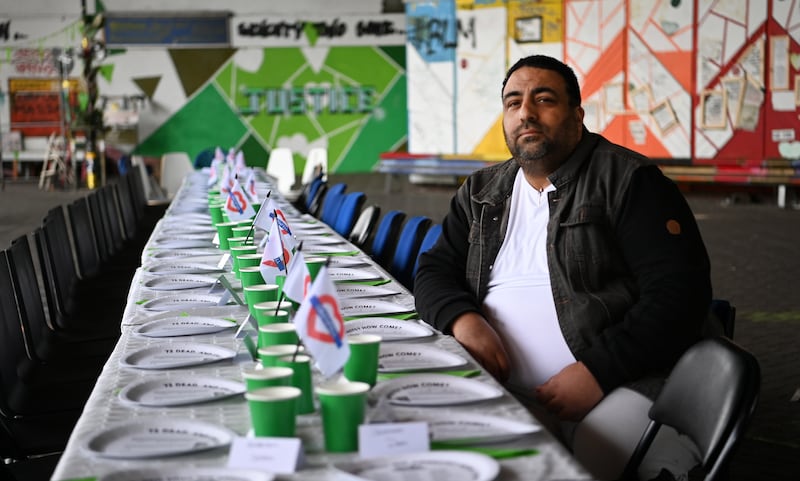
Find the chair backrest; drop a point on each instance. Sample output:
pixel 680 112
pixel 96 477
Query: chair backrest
pixel 12 343
pixel 405 253
pixel 316 165
pixel 330 205
pixel 57 267
pixel 281 167
pixel 427 242
pixel 84 238
pixel 726 313
pixel 125 204
pixel 174 167
pixel 364 226
pixel 139 166
pixel 311 191
pixel 710 396
pixel 315 202
pixel 386 236
pixel 349 208
pixel 29 298
pixel 102 230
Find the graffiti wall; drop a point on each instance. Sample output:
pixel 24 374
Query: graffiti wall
pixel 683 81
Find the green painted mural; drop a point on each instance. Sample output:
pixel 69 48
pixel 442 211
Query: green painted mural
pixel 349 100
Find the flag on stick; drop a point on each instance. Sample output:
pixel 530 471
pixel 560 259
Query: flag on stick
pixel 298 279
pixel 275 258
pixel 320 325
pixel 238 206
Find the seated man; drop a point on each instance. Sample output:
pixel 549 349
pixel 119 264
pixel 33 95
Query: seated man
pixel 573 272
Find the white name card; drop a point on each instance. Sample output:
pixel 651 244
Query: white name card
pixel 384 439
pixel 276 455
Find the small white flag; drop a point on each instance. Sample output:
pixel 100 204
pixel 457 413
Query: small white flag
pixel 238 206
pixel 298 279
pixel 276 257
pixel 320 325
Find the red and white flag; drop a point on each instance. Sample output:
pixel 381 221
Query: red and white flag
pixel 276 258
pixel 250 187
pixel 298 280
pixel 320 325
pixel 240 165
pixel 238 206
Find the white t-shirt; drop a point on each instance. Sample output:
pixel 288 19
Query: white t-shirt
pixel 519 302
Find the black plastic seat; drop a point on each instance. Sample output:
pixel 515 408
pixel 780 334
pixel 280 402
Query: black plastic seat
pixel 710 396
pixel 362 230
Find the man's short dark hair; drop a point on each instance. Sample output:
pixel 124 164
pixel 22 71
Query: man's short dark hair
pixel 549 63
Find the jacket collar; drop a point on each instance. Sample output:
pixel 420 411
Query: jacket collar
pixel 569 169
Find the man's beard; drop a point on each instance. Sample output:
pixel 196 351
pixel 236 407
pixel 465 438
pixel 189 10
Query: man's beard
pixel 528 158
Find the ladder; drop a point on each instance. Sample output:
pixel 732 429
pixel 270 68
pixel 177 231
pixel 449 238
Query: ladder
pixel 55 163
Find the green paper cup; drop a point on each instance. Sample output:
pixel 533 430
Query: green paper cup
pixel 273 410
pixel 243 231
pixel 342 406
pixel 216 213
pixel 301 364
pixel 257 293
pixel 249 260
pixel 362 365
pixel 266 377
pixel 240 241
pixel 269 355
pixel 250 276
pixel 237 251
pixel 314 264
pixel 225 230
pixel 266 314
pixel 278 333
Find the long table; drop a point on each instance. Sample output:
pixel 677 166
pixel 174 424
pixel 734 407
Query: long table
pixel 105 409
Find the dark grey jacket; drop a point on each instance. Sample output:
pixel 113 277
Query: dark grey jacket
pixel 631 293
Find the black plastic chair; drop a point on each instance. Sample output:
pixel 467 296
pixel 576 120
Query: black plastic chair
pixel 385 240
pixel 316 200
pixel 365 225
pixel 405 254
pixel 726 313
pixel 710 396
pixel 349 209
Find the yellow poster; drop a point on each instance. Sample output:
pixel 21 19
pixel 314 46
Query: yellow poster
pixel 535 22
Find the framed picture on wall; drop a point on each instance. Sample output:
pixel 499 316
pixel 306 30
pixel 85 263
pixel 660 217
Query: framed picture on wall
pixel 528 29
pixel 734 91
pixel 713 109
pixel 641 99
pixel 797 89
pixel 779 62
pixel 664 116
pixel 614 98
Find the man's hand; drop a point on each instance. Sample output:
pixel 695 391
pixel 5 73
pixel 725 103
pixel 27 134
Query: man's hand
pixel 482 342
pixel 571 393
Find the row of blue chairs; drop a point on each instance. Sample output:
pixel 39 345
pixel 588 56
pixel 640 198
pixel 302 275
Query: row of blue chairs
pixel 393 241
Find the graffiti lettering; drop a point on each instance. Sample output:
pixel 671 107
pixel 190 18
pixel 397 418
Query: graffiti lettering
pixel 266 29
pixel 377 29
pixel 330 30
pixel 5 30
pixel 430 35
pixel 316 100
pixel 34 62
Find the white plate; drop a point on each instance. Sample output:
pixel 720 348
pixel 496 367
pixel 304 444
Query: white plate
pixel 470 428
pixel 152 438
pixel 183 326
pixel 388 328
pixel 307 230
pixel 400 357
pixel 320 240
pixel 183 268
pixel 178 230
pixel 179 391
pixel 179 282
pixel 330 250
pixel 182 301
pixel 370 307
pixel 166 237
pixel 187 474
pixel 425 466
pixel 172 355
pixel 349 261
pixel 233 312
pixel 352 290
pixel 346 274
pixel 181 244
pixel 434 390
pixel 185 254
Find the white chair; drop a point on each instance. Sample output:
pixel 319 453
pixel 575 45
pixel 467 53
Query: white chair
pixel 317 159
pixel 281 167
pixel 174 167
